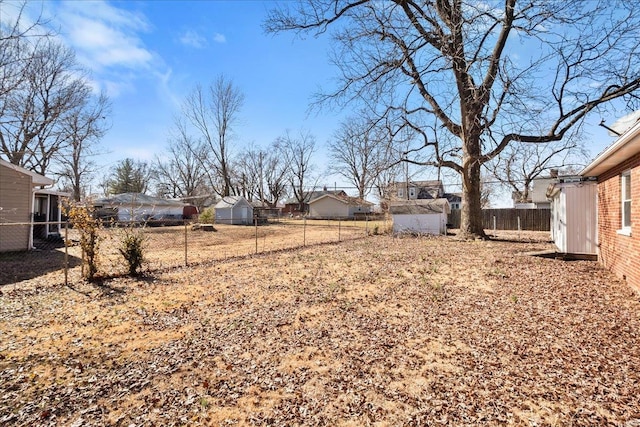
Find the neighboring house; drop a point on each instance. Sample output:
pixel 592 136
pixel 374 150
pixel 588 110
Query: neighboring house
pixel 574 215
pixel 23 202
pixel 455 200
pixel 338 206
pixel 537 195
pixel 422 216
pixel 142 207
pixel 292 206
pixel 235 210
pixel 617 170
pixel 414 190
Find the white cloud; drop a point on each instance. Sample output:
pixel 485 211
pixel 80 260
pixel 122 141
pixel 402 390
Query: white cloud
pixel 193 39
pixel 105 36
pixel 219 38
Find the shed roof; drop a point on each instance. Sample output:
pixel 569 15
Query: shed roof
pixel 230 201
pixel 420 207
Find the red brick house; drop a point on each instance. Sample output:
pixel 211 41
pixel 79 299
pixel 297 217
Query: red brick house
pixel 618 172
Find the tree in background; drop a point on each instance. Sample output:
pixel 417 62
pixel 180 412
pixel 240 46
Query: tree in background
pixel 470 78
pixel 212 113
pixel 357 152
pixel 84 128
pixel 179 174
pixel 36 111
pixel 519 164
pixel 264 174
pixel 297 152
pixel 129 177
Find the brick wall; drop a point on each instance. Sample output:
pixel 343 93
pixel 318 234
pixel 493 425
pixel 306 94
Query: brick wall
pixel 618 252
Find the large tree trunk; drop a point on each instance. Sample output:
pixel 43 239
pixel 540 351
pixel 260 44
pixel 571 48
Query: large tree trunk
pixel 471 215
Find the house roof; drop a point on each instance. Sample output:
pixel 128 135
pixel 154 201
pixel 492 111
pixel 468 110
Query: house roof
pixel 230 201
pixel 627 145
pixel 36 178
pixel 453 197
pixel 312 195
pixel 420 206
pixel 351 201
pixel 430 189
pixel 137 199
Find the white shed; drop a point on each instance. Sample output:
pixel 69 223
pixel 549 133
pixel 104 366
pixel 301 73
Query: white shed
pixel 424 216
pixel 234 210
pixel 574 215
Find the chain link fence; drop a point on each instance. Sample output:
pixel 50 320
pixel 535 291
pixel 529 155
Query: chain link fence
pixel 38 250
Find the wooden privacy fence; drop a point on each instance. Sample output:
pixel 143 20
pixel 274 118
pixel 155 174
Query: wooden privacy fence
pixel 509 219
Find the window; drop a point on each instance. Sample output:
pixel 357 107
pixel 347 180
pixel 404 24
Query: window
pixel 412 192
pixel 400 192
pixel 626 199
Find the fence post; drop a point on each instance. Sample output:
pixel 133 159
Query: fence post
pixel 518 226
pixel 255 220
pixel 494 224
pixel 366 225
pixel 338 229
pixel 304 232
pixel 66 253
pixel 186 250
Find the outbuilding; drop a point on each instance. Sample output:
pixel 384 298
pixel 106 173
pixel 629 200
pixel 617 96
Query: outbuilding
pixel 235 210
pixel 420 216
pixel 574 216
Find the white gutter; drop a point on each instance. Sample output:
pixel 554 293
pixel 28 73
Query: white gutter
pixel 615 153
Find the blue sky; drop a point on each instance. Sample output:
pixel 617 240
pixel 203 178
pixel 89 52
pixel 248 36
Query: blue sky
pixel 147 55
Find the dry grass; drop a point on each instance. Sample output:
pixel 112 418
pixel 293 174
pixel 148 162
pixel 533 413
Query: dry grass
pixel 377 331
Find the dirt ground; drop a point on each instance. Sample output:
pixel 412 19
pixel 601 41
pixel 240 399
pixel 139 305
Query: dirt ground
pixel 173 246
pixel 380 331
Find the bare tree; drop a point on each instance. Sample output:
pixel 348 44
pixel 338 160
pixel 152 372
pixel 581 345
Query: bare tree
pixel 275 174
pixel 357 152
pixel 470 78
pixel 180 173
pixel 264 174
pixel 83 128
pixel 35 113
pixel 17 37
pixel 213 113
pixel 519 164
pixel 297 152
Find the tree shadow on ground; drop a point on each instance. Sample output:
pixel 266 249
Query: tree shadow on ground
pixel 25 265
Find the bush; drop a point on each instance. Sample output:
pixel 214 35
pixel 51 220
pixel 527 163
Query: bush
pixel 208 216
pixel 132 247
pixel 82 219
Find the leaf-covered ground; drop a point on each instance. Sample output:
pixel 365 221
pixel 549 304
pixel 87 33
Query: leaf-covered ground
pixel 379 331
